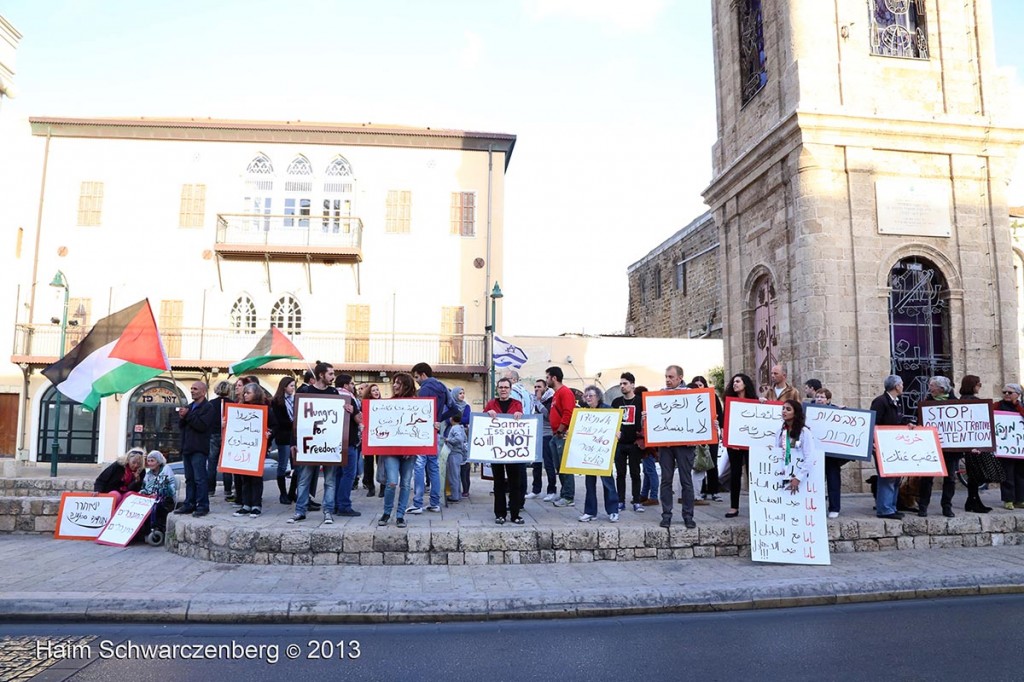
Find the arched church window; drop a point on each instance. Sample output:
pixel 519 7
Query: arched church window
pixel 153 419
pixel 766 330
pixel 286 315
pixel 753 60
pixel 300 165
pixel 339 167
pixel 243 315
pixel 260 165
pixel 899 28
pixel 918 327
pixel 78 436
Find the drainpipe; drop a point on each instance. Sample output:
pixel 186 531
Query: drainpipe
pixel 488 314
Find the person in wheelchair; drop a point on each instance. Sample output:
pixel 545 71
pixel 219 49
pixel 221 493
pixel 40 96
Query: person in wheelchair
pixel 160 483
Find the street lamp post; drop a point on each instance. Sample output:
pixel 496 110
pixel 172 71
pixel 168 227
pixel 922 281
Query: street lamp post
pixel 495 295
pixel 60 282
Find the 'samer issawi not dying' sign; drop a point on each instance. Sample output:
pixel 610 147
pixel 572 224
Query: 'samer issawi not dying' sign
pixel 243 447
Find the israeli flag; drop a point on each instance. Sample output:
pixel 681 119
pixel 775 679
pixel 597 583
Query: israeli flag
pixel 506 354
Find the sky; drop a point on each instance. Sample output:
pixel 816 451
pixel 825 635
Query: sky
pixel 612 103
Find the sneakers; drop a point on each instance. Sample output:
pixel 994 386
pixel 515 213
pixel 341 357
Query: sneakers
pixel 562 502
pixel 622 506
pixel 433 508
pixel 500 520
pixel 518 520
pixel 614 518
pixel 414 510
pixel 551 497
pixel 255 513
pixel 229 498
pixel 587 518
pixel 716 498
pixel 400 522
pixel 689 523
pixel 530 496
pixel 833 515
pixel 638 508
pixel 297 518
pixel 383 520
pixel 243 511
pixel 1008 506
pixel 328 519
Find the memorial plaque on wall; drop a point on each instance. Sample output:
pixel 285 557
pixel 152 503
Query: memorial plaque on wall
pixel 914 206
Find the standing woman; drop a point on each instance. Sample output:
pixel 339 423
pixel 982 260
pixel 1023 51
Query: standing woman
pixel 833 465
pixel 711 480
pixel 251 487
pixel 399 468
pixel 233 396
pixel 508 478
pixel 370 392
pixel 595 401
pixel 740 386
pixel 800 457
pixel 1011 490
pixel 283 407
pixel 939 389
pixel 970 386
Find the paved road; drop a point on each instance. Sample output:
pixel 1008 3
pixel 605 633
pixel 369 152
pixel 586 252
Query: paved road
pixel 967 638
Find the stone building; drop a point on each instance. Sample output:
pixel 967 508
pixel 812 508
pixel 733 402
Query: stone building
pixel 864 150
pixel 674 289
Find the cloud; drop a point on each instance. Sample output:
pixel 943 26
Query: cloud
pixel 637 15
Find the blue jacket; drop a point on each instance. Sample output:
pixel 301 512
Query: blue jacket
pixel 432 388
pixel 197 426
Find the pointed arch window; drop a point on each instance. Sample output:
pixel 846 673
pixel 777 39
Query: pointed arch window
pixel 899 28
pixel 286 314
pixel 753 58
pixel 339 167
pixel 259 185
pixel 243 315
pixel 300 165
pixel 260 165
pixel 766 330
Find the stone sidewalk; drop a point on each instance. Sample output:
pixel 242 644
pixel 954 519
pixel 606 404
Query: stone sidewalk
pixel 81 581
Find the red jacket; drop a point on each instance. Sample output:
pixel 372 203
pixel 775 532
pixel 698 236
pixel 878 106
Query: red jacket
pixel 514 406
pixel 562 405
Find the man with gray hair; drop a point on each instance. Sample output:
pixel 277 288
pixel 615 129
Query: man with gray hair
pixel 939 388
pixel 888 409
pixel 676 457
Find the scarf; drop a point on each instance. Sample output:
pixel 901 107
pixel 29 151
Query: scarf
pixel 289 404
pixel 127 479
pixel 460 405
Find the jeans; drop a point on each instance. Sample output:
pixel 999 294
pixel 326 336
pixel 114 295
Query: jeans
pixel 550 467
pixel 627 456
pixel 676 457
pixel 453 473
pixel 211 465
pixel 344 477
pixel 738 461
pixel 649 489
pixel 508 489
pixel 888 490
pixel 611 498
pixel 924 491
pixel 399 471
pixel 568 480
pixel 306 474
pixel 834 482
pixel 196 495
pixel 427 464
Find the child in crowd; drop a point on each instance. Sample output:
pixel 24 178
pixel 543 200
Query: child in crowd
pixel 457 456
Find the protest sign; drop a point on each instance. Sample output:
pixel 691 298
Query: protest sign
pixel 504 440
pixel 963 425
pixel 751 422
pixel 1009 435
pixel 321 429
pixel 82 516
pixel 399 426
pixel 590 443
pixel 127 520
pixel 680 417
pixel 243 447
pixel 786 527
pixel 902 451
pixel 841 431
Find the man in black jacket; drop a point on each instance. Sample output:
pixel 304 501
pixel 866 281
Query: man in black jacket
pixel 888 409
pixel 197 422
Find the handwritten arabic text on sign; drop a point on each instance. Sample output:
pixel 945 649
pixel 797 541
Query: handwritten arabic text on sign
pixel 83 515
pixel 321 429
pixel 901 451
pixel 963 425
pixel 1009 435
pixel 504 440
pixel 786 527
pixel 127 520
pixel 680 417
pixel 842 432
pixel 243 448
pixel 590 444
pixel 399 426
pixel 750 422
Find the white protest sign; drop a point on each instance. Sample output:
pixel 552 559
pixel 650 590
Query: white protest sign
pixel 82 516
pixel 399 426
pixel 841 431
pixel 321 429
pixel 1009 435
pixel 127 520
pixel 680 417
pixel 963 425
pixel 786 527
pixel 504 440
pixel 590 443
pixel 243 448
pixel 751 422
pixel 902 451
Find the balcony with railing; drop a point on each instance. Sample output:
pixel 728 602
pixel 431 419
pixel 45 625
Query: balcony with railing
pixel 322 238
pixel 193 347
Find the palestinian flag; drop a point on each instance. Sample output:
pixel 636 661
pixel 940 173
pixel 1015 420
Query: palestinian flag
pixel 273 346
pixel 119 353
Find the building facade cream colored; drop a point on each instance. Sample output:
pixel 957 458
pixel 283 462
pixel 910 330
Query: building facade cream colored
pixel 371 247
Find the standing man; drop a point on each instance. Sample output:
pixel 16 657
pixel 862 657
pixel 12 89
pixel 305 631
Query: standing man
pixel 197 422
pixel 563 402
pixel 627 454
pixel 542 396
pixel 780 389
pixel 345 476
pixel 676 457
pixel 811 388
pixel 322 384
pixel 888 409
pixel 443 408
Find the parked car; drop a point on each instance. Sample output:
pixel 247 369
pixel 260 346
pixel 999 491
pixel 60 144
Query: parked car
pixel 269 470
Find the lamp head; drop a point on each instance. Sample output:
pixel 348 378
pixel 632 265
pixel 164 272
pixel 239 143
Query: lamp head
pixel 59 281
pixel 496 292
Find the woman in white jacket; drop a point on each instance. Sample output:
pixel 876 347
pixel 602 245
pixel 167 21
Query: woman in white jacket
pixel 800 458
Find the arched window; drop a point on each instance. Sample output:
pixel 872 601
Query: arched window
pixel 298 187
pixel 300 165
pixel 259 187
pixel 918 326
pixel 152 419
pixel 260 165
pixel 339 168
pixel 78 438
pixel 286 315
pixel 766 330
pixel 899 28
pixel 243 315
